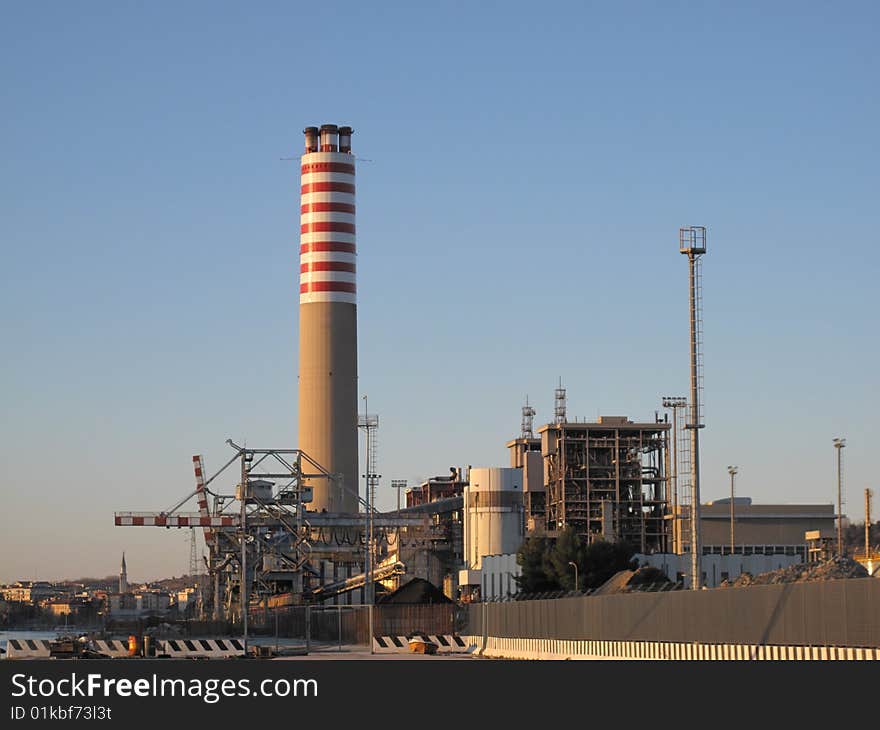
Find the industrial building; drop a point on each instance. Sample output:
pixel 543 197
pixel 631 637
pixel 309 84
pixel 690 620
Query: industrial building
pixel 298 529
pixel 433 550
pixel 759 529
pixel 525 454
pixel 607 480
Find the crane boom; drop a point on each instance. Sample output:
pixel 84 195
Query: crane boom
pixel 179 519
pixel 199 469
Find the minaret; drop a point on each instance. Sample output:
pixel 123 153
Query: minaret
pixel 123 577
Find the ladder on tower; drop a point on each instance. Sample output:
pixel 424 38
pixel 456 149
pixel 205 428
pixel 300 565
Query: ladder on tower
pixel 685 488
pixel 697 418
pixel 372 464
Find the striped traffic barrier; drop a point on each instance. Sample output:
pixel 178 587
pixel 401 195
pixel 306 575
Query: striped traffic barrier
pixel 27 649
pixel 203 648
pixel 446 644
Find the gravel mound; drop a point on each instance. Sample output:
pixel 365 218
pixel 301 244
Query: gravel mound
pixel 645 578
pixel 833 569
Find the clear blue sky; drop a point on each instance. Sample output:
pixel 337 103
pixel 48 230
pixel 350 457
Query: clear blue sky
pixel 529 168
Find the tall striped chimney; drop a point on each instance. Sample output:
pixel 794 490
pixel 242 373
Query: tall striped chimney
pixel 328 316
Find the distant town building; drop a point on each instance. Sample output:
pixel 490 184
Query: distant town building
pixel 152 602
pixel 121 605
pixel 25 591
pixel 141 603
pixel 187 599
pixel 65 607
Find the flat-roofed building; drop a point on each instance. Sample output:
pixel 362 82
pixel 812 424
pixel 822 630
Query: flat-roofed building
pixel 759 529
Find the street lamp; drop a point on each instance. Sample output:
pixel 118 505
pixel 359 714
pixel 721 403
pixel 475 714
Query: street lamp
pixel 574 565
pixel 839 444
pixel 732 470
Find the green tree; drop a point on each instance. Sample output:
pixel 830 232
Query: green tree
pixel 602 560
pixel 546 563
pixel 533 557
pixel 568 549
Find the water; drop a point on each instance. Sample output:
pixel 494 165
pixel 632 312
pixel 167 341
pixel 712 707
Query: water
pixel 36 634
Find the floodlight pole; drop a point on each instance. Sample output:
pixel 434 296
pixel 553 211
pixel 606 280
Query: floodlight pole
pixel 244 583
pixel 839 445
pixel 732 470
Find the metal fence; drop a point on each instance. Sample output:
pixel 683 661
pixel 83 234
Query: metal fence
pixel 822 613
pixel 351 624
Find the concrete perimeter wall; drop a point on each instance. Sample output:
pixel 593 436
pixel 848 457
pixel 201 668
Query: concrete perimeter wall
pixel 839 613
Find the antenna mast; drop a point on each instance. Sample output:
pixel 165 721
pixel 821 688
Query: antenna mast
pixel 559 408
pixel 528 416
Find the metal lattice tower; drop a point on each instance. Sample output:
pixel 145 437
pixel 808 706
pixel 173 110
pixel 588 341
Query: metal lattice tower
pixel 559 404
pixel 676 403
pixel 528 419
pixel 692 243
pixel 369 423
pixel 260 531
pixel 194 568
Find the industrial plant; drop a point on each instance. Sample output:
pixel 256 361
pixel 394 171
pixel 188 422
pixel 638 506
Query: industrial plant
pixel 300 527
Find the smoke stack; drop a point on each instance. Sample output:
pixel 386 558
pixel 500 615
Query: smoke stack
pixel 345 139
pixel 311 134
pixel 329 138
pixel 328 316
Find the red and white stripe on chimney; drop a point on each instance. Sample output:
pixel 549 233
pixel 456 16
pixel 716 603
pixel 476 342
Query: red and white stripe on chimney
pixel 327 217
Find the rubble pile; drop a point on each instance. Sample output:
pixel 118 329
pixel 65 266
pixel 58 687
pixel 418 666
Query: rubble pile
pixel 647 575
pixel 645 578
pixel 615 584
pixel 833 569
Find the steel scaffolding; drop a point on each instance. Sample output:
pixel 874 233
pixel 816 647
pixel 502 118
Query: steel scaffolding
pixel 608 480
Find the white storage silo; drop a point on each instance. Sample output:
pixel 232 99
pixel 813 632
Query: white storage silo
pixel 493 522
